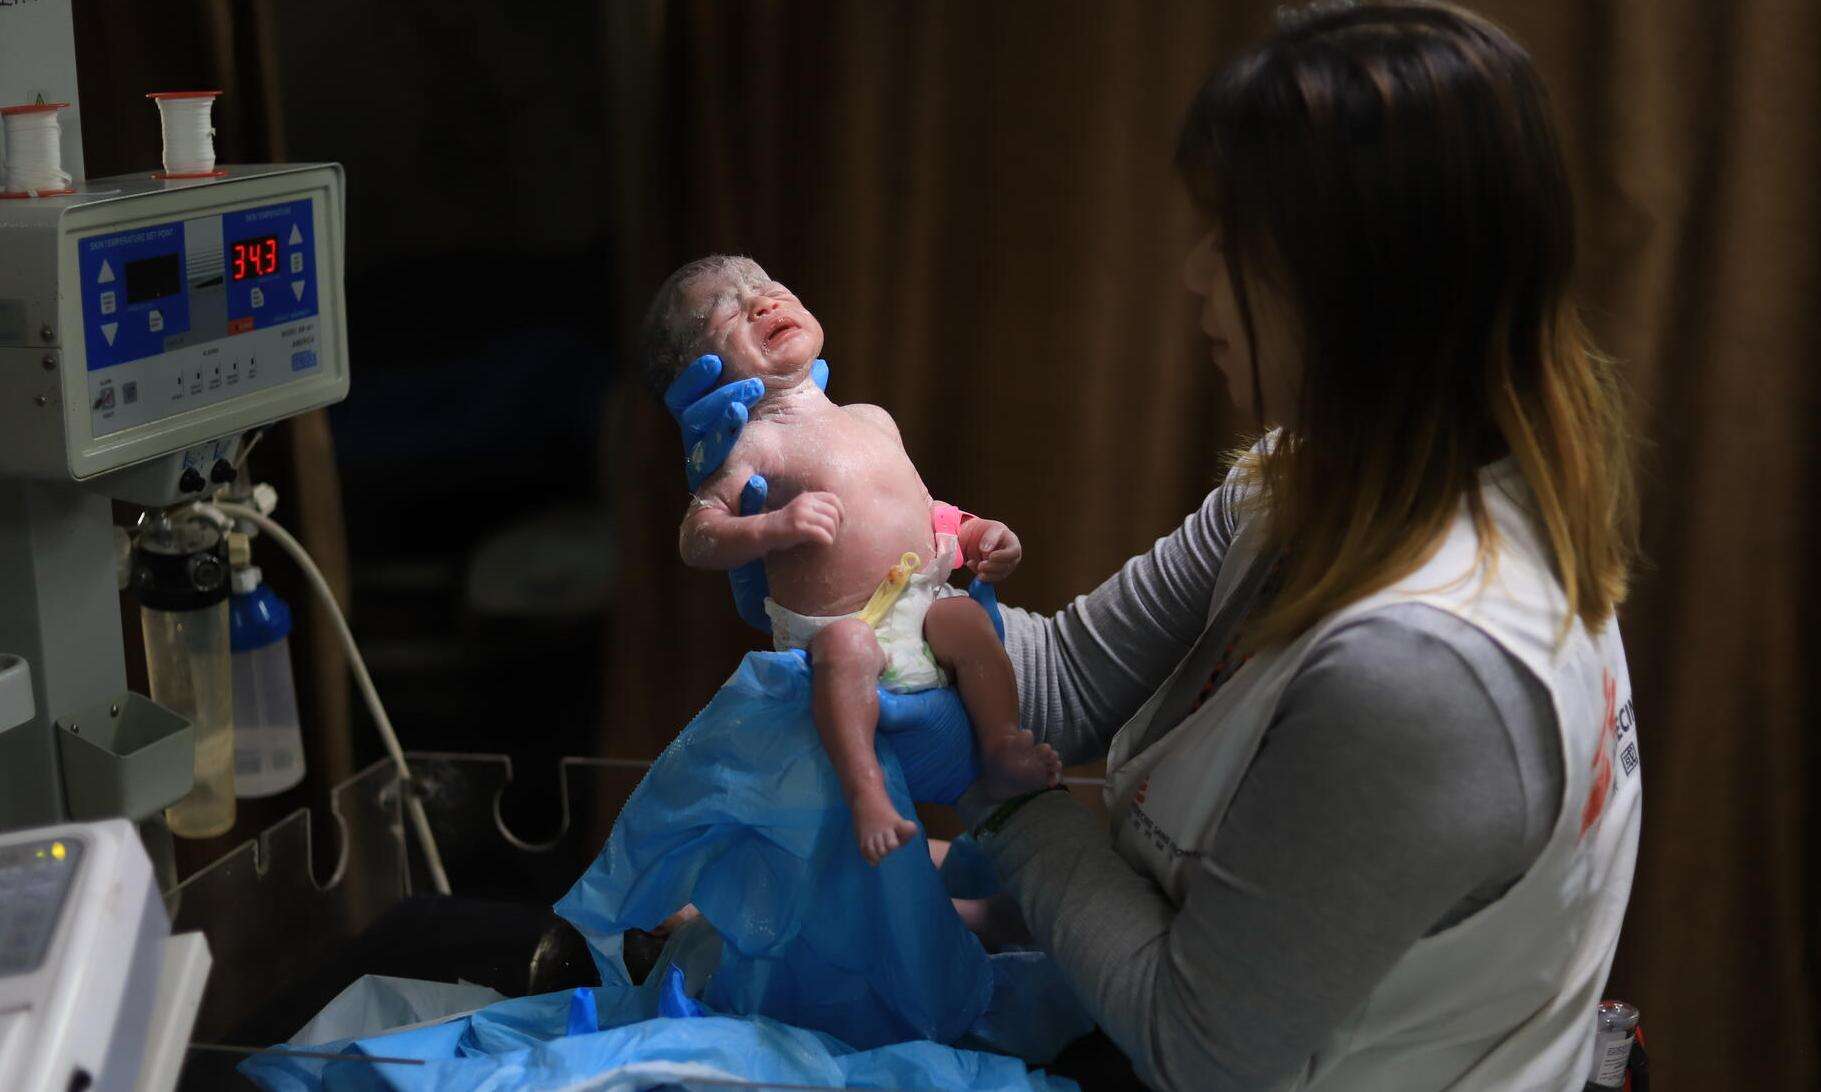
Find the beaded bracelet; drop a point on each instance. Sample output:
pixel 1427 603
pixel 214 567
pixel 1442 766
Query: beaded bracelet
pixel 1004 812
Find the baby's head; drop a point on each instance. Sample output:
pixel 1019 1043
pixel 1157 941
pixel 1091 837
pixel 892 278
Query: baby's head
pixel 729 306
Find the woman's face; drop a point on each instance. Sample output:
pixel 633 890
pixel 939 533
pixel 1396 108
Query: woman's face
pixel 1205 273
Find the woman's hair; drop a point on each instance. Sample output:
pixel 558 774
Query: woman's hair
pixel 1392 173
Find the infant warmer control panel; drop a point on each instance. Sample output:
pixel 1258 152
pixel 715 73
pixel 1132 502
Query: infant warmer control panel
pixel 196 311
pixel 178 313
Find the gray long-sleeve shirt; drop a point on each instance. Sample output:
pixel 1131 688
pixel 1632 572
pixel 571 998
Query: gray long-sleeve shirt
pixel 1411 775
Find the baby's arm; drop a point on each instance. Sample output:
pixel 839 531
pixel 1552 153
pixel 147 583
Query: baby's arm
pixel 715 536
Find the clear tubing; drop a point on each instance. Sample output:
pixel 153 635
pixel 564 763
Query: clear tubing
pixel 414 804
pixel 187 666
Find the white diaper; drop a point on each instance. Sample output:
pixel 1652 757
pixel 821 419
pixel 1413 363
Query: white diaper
pixel 909 664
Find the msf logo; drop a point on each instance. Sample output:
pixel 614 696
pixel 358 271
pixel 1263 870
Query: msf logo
pixel 1616 722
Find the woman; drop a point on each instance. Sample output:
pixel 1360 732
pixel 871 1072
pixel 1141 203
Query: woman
pixel 1371 763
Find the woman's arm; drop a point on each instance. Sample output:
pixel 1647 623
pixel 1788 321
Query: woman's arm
pixel 1371 812
pixel 1085 669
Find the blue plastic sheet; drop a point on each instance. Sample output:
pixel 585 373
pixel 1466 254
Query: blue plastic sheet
pixel 659 1053
pixel 812 967
pixel 743 816
pixel 544 1042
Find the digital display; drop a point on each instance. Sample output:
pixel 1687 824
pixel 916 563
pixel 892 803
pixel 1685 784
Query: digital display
pixel 153 278
pixel 255 257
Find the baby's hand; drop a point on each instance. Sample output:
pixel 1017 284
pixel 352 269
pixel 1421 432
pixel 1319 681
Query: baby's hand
pixel 996 551
pixel 810 519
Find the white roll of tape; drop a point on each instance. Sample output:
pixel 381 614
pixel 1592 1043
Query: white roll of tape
pixel 34 151
pixel 189 132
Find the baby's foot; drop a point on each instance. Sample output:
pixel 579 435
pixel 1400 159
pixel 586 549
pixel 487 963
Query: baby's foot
pixel 879 828
pixel 1015 762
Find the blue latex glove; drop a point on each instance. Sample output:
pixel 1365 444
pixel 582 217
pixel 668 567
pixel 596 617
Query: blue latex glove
pixel 711 419
pixel 584 1014
pixel 673 1002
pixel 930 729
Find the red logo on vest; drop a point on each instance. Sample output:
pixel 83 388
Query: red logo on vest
pixel 1602 757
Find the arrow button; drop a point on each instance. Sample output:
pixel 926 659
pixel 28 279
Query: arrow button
pixel 108 330
pixel 107 273
pixel 296 238
pixel 297 288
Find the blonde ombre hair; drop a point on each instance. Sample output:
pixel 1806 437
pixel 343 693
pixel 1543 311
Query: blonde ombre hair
pixel 1391 170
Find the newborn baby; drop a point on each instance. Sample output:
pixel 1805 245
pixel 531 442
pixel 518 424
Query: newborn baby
pixel 857 554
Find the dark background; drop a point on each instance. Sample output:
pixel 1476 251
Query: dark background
pixel 977 203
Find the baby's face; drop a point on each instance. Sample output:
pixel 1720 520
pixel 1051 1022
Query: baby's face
pixel 755 325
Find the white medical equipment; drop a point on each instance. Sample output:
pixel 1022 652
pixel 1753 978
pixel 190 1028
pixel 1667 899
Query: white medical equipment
pixel 150 329
pixel 95 992
pixel 147 329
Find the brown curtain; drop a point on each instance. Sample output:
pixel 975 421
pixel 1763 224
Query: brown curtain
pixel 978 206
pixel 977 202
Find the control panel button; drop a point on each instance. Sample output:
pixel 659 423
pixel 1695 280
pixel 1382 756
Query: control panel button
pixel 109 330
pixel 109 302
pixel 106 276
pixel 191 482
pixel 154 320
pixel 257 297
pixel 297 261
pixel 297 289
pixel 296 238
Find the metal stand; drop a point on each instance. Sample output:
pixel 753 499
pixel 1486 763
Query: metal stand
pixel 76 757
pixel 274 928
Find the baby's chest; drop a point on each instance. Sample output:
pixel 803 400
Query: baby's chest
pixel 840 461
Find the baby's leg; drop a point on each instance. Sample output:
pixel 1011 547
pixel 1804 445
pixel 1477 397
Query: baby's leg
pixel 962 638
pixel 847 662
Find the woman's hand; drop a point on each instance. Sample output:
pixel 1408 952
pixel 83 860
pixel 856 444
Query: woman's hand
pixel 712 418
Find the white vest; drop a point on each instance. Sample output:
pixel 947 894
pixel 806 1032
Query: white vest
pixel 1505 998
